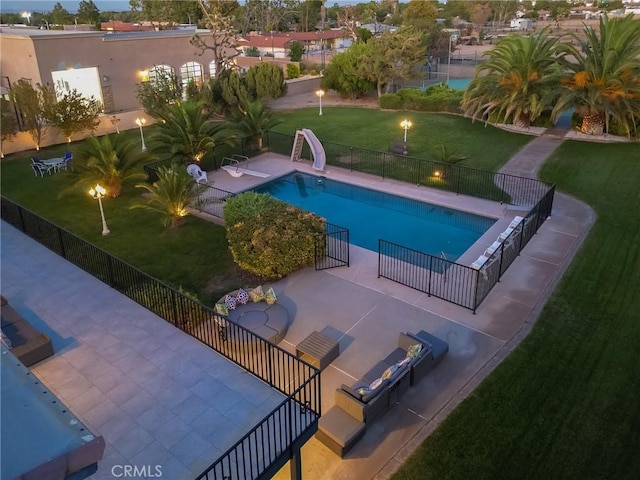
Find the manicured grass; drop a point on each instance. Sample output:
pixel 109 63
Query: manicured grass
pixel 194 257
pixel 566 403
pixel 488 148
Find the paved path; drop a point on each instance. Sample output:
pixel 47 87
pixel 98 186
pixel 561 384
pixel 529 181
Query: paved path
pixel 157 395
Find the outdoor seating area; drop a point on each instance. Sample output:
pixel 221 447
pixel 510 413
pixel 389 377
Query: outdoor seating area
pixel 28 344
pixel 255 311
pixel 379 389
pixel 51 165
pixel 508 234
pixel 198 175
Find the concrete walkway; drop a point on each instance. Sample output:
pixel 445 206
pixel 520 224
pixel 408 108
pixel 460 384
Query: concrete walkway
pixel 158 396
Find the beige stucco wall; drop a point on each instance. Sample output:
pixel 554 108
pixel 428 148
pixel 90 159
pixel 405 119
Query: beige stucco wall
pixel 18 59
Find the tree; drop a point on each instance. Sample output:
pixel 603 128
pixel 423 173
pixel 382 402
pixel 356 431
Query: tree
pixel 518 82
pixel 171 195
pixel 222 43
pixel 309 15
pixel 159 93
pixel 296 51
pixel 59 15
pixel 186 134
pixel 74 113
pixel 344 73
pixel 170 11
pixel 109 161
pixel 266 81
pixel 419 14
pixel 392 57
pixel 32 105
pixel 603 79
pixel 89 13
pixel 9 124
pixel 253 121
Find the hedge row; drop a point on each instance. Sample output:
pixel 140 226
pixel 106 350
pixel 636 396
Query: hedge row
pixel 438 98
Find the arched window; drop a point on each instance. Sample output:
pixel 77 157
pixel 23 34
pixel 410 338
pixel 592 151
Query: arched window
pixel 159 71
pixel 212 69
pixel 190 71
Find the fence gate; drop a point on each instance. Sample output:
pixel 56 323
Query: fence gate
pixel 332 247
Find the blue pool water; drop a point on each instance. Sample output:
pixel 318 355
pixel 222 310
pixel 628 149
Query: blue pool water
pixel 371 215
pixel 459 83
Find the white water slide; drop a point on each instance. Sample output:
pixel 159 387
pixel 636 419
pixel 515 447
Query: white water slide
pixel 317 150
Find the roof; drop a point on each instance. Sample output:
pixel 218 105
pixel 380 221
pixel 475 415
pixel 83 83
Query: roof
pixel 281 40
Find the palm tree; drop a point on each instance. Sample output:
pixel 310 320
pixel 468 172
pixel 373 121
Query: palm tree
pixel 518 82
pixel 603 79
pixel 171 195
pixel 186 133
pixel 109 161
pixel 253 120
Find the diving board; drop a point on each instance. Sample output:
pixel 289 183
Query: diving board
pixel 317 150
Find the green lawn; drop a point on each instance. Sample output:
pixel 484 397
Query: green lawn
pixel 488 148
pixel 566 403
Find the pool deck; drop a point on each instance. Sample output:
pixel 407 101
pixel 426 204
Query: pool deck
pixel 114 359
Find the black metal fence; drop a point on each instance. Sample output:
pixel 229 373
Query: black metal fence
pixel 212 200
pixel 451 281
pixel 331 249
pixel 270 443
pixel 497 187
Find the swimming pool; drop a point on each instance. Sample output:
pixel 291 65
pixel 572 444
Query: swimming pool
pixel 371 215
pixel 459 83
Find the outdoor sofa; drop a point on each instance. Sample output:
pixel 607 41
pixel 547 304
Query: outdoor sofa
pixel 358 405
pixel 26 343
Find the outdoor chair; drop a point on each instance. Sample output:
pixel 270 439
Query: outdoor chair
pixel 197 174
pixel 64 164
pixel 40 168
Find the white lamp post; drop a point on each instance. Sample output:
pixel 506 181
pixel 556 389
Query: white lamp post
pixel 26 15
pixel 320 94
pixel 449 59
pixel 140 122
pixel 98 193
pixel 406 125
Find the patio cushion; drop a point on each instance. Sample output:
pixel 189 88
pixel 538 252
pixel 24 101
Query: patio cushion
pixel 270 296
pixel 222 309
pixel 242 297
pixel 231 302
pixel 257 294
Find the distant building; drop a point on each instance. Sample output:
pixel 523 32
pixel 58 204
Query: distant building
pixel 277 44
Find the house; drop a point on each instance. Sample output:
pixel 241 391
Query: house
pixel 277 44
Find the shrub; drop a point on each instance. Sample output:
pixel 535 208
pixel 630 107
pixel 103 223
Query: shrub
pixel 391 101
pixel 293 71
pixel 270 238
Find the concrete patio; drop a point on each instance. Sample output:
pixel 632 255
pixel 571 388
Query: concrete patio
pixel 160 397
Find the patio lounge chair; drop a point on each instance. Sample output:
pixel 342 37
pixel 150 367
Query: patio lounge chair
pixel 197 174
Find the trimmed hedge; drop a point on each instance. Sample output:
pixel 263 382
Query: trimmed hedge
pixel 438 98
pixel 270 238
pixel 293 71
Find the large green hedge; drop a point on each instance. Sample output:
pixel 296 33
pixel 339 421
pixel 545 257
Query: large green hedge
pixel 270 238
pixel 438 98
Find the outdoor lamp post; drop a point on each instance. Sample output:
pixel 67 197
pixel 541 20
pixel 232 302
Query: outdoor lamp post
pixel 140 122
pixel 320 94
pixel 449 58
pixel 406 125
pixel 98 192
pixel 26 15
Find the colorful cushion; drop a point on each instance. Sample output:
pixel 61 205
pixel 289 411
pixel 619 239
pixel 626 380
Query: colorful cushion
pixel 414 350
pixel 242 297
pixel 404 362
pixel 222 309
pixel 256 295
pixel 388 373
pixel 231 302
pixel 375 384
pixel 362 391
pixel 270 296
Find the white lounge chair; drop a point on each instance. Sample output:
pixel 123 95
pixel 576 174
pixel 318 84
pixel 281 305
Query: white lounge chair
pixel 492 249
pixel 516 221
pixel 504 235
pixel 197 174
pixel 479 263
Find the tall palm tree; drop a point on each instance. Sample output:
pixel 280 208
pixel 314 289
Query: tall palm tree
pixel 171 194
pixel 253 120
pixel 186 133
pixel 518 82
pixel 109 161
pixel 603 75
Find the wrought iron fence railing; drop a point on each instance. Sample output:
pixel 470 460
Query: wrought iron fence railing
pixel 451 281
pixel 331 248
pixel 270 442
